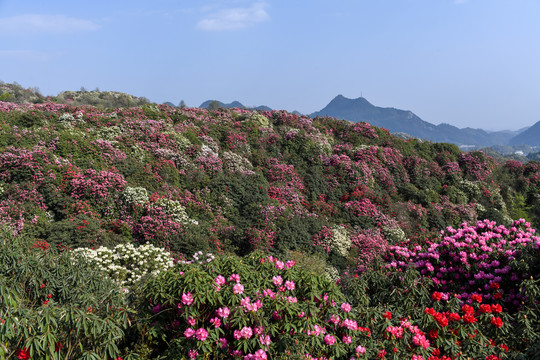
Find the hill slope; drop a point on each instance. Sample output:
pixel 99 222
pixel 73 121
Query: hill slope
pixel 531 136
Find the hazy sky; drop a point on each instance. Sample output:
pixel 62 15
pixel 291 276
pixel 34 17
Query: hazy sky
pixel 465 62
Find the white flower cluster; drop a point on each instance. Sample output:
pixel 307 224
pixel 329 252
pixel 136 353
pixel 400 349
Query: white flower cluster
pixel 393 234
pixel 137 153
pixel 235 163
pixel 207 151
pixel 324 143
pixel 340 241
pixel 471 189
pixel 175 210
pixel 181 141
pixel 331 273
pixel 68 119
pixel 109 133
pixel 210 142
pixel 2 189
pixel 125 263
pixel 135 195
pixel 259 119
pixel 200 258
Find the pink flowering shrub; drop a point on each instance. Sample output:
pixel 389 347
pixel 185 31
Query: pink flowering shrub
pixel 471 259
pixel 250 308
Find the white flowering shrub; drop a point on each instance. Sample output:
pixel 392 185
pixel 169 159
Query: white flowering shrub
pixel 68 119
pixel 259 119
pixel 137 153
pixel 175 210
pixel 181 141
pixel 393 234
pixel 207 151
pixel 471 189
pixel 340 241
pixel 135 195
pixel 211 143
pixel 109 133
pixel 332 273
pixel 234 163
pixel 323 143
pixel 125 263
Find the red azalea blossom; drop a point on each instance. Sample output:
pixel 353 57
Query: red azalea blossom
pixel 442 320
pixel 469 319
pixel 496 308
pixel 476 297
pixel 454 317
pixel 496 321
pixel 467 309
pixel 433 334
pixel 436 296
pixel 387 314
pixel 485 308
pixel 23 354
pixel 429 311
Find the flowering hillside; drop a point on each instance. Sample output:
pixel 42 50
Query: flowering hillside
pixel 145 193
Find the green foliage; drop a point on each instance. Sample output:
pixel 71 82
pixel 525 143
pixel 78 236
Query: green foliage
pixel 54 308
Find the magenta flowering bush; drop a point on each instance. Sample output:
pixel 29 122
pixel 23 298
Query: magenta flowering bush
pixel 252 308
pixel 472 260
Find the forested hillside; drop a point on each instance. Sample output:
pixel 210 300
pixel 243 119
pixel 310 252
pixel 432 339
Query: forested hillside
pixel 233 180
pixel 336 197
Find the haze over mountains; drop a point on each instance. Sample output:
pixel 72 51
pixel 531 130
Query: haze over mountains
pixel 406 122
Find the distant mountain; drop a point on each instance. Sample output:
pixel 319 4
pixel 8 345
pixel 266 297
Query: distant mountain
pixel 531 136
pixel 403 121
pixel 234 105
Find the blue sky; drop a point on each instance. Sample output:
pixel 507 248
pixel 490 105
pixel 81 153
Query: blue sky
pixel 464 62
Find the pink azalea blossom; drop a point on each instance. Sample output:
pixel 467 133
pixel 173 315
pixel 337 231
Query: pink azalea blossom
pixel 193 353
pixel 289 264
pixel 329 339
pixel 238 288
pixel 246 332
pixel 223 312
pixel 265 340
pixel 360 350
pixel 346 307
pixel 189 332
pixel 289 285
pixel 222 343
pixel 201 334
pixel 187 298
pixel 216 322
pixel 220 280
pixel 277 280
